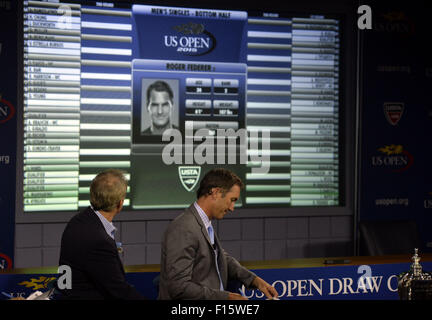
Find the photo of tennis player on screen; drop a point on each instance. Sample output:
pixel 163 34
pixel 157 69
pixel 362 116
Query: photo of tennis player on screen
pixel 159 106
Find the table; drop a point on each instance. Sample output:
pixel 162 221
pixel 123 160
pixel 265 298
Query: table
pixel 347 278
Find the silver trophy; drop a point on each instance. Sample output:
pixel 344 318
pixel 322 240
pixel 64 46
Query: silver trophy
pixel 415 284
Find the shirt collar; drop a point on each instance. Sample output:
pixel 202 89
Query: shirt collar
pixel 202 214
pixel 109 227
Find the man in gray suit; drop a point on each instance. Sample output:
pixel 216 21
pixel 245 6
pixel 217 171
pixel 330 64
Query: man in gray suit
pixel 193 263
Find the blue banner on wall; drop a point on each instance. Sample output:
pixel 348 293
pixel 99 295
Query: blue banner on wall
pixel 358 282
pixel 364 282
pixel 8 93
pixel 396 118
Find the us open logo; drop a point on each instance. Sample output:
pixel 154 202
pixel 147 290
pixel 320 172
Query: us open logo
pixel 189 176
pixel 5 262
pixel 427 203
pixel 393 157
pixel 193 40
pixel 7 110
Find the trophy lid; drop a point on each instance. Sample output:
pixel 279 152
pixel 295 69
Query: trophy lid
pixel 416 268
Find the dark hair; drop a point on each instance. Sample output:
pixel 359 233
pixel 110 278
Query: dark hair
pixel 107 189
pixel 218 178
pixel 160 86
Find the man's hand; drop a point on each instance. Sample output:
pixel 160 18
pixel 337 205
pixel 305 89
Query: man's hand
pixel 265 288
pixel 236 296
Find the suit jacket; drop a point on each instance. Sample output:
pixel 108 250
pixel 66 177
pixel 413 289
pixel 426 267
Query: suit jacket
pixel 188 269
pixel 97 271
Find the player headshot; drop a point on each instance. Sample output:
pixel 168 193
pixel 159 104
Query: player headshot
pixel 159 105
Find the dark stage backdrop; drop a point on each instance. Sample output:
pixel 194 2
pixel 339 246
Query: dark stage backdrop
pixel 396 116
pixel 8 94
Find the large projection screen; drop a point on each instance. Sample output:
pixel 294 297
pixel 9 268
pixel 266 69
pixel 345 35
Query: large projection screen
pixel 166 92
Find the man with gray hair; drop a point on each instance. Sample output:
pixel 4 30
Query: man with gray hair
pixel 88 246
